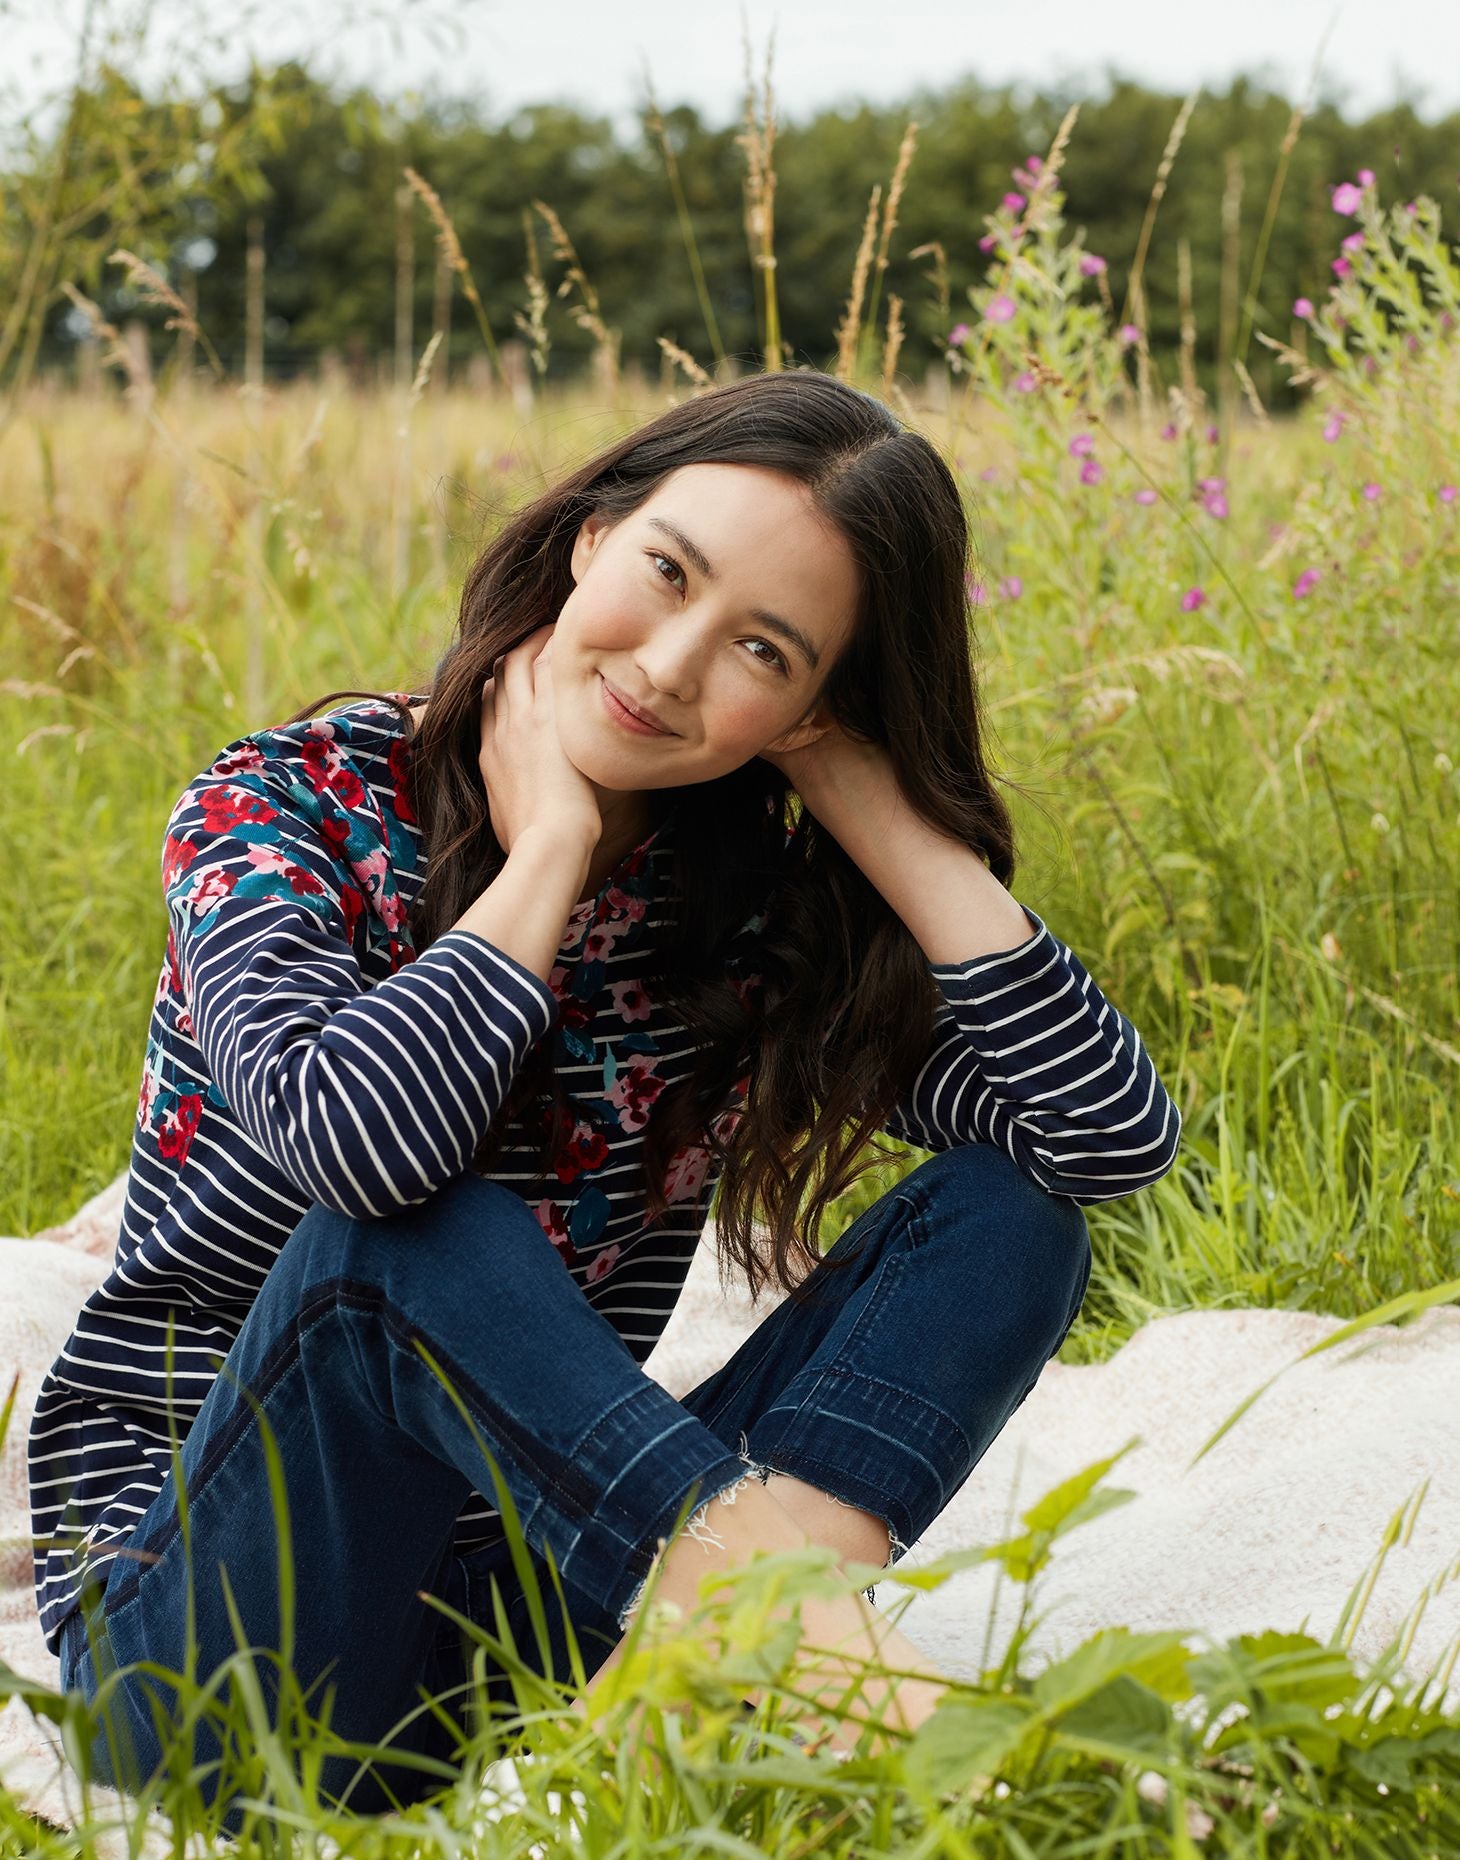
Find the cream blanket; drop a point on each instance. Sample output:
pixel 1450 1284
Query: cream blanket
pixel 1271 1530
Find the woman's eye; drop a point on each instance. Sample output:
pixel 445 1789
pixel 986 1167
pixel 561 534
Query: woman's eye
pixel 776 660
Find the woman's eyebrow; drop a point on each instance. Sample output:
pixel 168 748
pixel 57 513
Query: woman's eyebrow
pixel 786 629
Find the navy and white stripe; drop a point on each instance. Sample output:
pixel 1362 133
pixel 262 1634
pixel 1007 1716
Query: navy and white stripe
pixel 325 1063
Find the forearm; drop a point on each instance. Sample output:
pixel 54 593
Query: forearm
pixel 525 909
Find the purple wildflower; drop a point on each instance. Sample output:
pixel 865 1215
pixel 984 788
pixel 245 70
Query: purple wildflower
pixel 1447 494
pixel 1145 495
pixel 958 335
pixel 1011 203
pixel 1214 504
pixel 1213 435
pixel 1129 333
pixel 1354 242
pixel 1366 177
pixel 1305 583
pixel 1371 493
pixel 999 309
pixel 1011 587
pixel 1168 431
pixel 1340 267
pixel 975 591
pixel 1333 427
pixel 1091 472
pixel 1091 264
pixel 1192 599
pixel 1347 198
pixel 1025 384
pixel 1082 445
pixel 988 242
pixel 1303 306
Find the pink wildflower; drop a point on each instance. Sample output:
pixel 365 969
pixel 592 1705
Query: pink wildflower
pixel 1353 243
pixel 988 242
pixel 1000 309
pixel 1025 384
pixel 1091 472
pixel 1034 163
pixel 1011 587
pixel 1303 306
pixel 958 335
pixel 1129 333
pixel 1145 495
pixel 1168 431
pixel 1333 427
pixel 1447 494
pixel 1213 434
pixel 1347 198
pixel 976 591
pixel 1371 493
pixel 989 473
pixel 1340 267
pixel 1214 504
pixel 1091 264
pixel 1305 584
pixel 1082 445
pixel 1366 177
pixel 1011 203
pixel 1192 599
pixel 1211 484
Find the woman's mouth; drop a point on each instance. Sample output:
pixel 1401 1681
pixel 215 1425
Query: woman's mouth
pixel 622 715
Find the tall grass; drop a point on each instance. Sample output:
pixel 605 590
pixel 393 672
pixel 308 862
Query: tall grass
pixel 1219 661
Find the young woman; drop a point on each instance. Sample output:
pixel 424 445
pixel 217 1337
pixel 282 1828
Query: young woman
pixel 685 872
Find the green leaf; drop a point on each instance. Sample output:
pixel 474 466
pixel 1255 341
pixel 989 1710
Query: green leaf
pixel 1124 1721
pixel 964 1740
pixel 1160 1661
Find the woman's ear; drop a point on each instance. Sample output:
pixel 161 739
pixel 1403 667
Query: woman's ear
pixel 801 735
pixel 591 532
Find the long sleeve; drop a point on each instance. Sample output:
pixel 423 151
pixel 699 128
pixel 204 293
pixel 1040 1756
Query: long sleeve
pixel 367 1097
pixel 1028 1054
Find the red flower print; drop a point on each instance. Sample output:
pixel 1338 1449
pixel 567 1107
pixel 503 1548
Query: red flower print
pixel 399 763
pixel 634 1090
pixel 602 1264
pixel 179 1127
pixel 630 1000
pixel 624 904
pixel 325 767
pixel 554 1222
pixel 177 856
pixel 225 807
pixel 585 1151
pixel 335 830
pixel 351 906
pixel 747 987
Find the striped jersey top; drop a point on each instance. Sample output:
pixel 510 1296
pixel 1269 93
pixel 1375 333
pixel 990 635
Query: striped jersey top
pixel 301 1050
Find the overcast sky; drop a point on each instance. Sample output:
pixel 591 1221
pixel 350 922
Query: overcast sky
pixel 826 51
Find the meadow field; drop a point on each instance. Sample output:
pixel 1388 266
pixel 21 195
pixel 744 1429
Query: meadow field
pixel 1219 653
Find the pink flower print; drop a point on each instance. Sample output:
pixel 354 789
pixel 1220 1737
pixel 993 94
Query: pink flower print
pixel 1011 587
pixel 1091 264
pixel 1091 472
pixel 630 1001
pixel 685 1172
pixel 1303 307
pixel 602 1263
pixel 1011 203
pixel 1192 599
pixel 1446 493
pixel 236 761
pixel 209 888
pixel 146 1097
pixel 1145 495
pixel 1082 445
pixel 558 980
pixel 1347 199
pixel 625 904
pixel 390 909
pixel 554 1222
pixel 1305 584
pixel 1371 493
pixel 1333 427
pixel 1000 309
pixel 599 942
pixel 958 335
pixel 225 807
pixel 1025 384
pixel 634 1091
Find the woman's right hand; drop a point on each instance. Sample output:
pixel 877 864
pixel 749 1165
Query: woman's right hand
pixel 528 777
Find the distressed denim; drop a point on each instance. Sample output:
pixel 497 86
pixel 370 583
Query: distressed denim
pixel 882 1382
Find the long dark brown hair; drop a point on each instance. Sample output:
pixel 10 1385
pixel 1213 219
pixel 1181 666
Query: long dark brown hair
pixel 843 1021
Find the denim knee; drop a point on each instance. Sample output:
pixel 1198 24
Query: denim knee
pixel 1041 1240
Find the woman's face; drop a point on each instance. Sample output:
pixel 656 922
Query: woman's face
pixel 720 605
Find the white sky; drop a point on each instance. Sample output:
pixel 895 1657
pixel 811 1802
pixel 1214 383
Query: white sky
pixel 504 53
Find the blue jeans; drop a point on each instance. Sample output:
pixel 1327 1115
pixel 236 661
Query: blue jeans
pixel 882 1382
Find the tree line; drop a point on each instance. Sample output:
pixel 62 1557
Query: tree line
pixel 559 220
